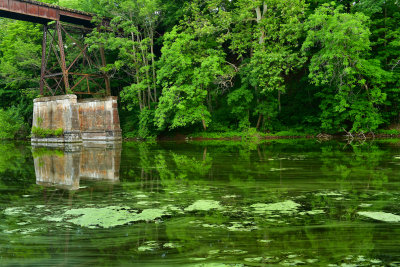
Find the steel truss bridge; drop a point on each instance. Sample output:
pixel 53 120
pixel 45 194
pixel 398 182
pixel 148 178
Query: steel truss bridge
pixel 67 64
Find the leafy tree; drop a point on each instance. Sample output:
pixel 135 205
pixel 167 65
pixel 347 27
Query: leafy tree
pixel 20 57
pixel 191 64
pixel 12 124
pixel 338 44
pixel 266 37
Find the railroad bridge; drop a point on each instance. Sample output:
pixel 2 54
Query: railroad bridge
pixel 69 69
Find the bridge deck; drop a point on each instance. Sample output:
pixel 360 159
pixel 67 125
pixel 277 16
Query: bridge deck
pixel 43 13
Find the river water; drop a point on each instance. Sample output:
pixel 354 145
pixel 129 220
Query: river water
pixel 211 203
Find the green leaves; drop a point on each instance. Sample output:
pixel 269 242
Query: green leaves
pixel 338 44
pixel 340 40
pixel 11 124
pixel 191 64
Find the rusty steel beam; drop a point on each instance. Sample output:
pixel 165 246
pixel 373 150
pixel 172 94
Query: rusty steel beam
pixel 55 75
pixel 86 74
pixel 76 84
pixel 43 68
pixel 62 56
pixel 106 78
pixel 87 93
pixel 76 59
pixel 38 12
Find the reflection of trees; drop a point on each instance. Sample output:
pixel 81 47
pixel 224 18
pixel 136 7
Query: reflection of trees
pixel 16 165
pixel 246 165
pixel 180 174
pixel 340 241
pixel 363 165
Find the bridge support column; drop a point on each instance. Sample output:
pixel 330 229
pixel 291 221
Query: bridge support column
pixel 84 120
pixel 44 63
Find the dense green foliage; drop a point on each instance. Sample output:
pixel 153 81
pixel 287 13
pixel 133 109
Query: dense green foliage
pixel 224 66
pixel 11 124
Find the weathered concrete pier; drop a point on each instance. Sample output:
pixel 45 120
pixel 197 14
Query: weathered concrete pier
pixel 94 119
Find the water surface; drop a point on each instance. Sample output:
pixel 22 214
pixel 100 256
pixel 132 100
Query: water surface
pixel 283 203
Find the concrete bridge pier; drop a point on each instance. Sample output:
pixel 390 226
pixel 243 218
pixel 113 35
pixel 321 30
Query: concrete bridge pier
pixel 80 120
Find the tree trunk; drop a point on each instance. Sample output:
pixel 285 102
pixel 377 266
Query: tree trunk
pixel 209 101
pixel 279 101
pixel 259 18
pixel 259 120
pixel 145 63
pixel 137 71
pixel 204 125
pixel 153 65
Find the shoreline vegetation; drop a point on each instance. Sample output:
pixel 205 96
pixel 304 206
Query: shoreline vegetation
pixel 258 136
pixel 252 136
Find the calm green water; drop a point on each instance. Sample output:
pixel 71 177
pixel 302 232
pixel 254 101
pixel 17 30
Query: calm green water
pixel 201 204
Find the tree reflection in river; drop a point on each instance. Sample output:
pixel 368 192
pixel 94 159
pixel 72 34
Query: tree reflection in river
pixel 330 183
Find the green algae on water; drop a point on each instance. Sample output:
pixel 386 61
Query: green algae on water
pixel 148 246
pixel 239 227
pixel 287 207
pixel 312 212
pixel 103 217
pixel 13 211
pixel 111 216
pixel 171 245
pixel 204 205
pixel 256 259
pixel 266 241
pixel 53 219
pixel 149 215
pixel 380 216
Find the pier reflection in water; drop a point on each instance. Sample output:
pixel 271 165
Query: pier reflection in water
pixel 63 166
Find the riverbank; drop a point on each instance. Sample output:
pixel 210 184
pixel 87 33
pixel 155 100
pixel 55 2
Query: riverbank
pixel 252 135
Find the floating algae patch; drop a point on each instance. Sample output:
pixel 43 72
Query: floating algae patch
pixel 329 194
pixel 292 262
pixel 235 252
pixel 148 246
pixel 312 212
pixel 266 241
pixel 287 207
pixel 380 216
pixel 239 227
pixel 171 245
pixel 53 219
pixel 253 260
pixel 214 252
pixel 204 205
pixel 13 211
pixel 214 264
pixel 149 215
pixel 207 225
pixel 111 216
pixel 141 196
pixel 103 217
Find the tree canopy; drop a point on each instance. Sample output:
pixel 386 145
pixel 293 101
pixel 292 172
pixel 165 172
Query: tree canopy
pixel 228 65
